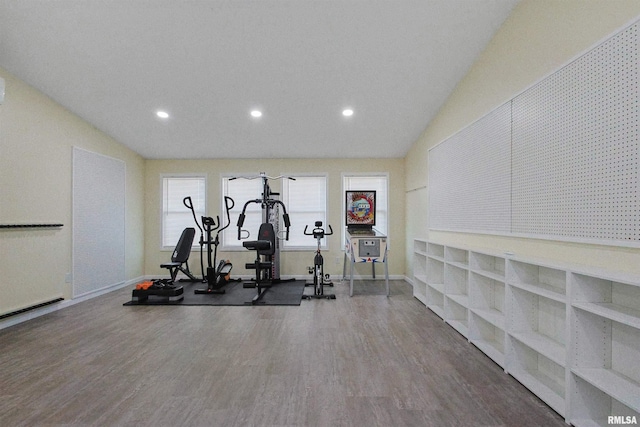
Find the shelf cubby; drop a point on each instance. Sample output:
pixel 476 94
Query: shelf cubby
pixel 435 251
pixel 435 300
pixel 545 281
pixel 606 355
pixel 592 407
pixel 457 257
pixel 544 377
pixel 489 266
pixel 420 270
pixel 455 281
pixel 435 273
pixel 539 323
pixel 613 300
pixel 420 246
pixel 486 299
pixel 488 338
pixel 456 315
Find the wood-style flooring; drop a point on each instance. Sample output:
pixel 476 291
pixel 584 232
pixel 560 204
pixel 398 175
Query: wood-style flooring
pixel 367 360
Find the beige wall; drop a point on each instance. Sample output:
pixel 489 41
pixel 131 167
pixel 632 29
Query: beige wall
pixel 538 38
pixel 36 140
pixel 293 263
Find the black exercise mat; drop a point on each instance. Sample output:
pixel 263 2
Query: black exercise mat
pixel 283 293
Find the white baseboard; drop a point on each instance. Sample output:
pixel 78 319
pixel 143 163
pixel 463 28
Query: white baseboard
pixel 37 312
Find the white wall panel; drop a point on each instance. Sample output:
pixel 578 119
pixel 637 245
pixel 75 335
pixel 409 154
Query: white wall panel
pixel 559 161
pixel 469 177
pixel 98 222
pixel 575 147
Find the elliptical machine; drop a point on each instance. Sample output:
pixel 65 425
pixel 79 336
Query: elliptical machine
pixel 217 276
pixel 319 279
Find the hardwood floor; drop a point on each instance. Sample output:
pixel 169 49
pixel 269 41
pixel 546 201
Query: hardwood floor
pixel 368 360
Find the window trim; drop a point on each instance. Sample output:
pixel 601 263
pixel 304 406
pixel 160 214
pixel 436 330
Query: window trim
pixel 313 246
pixel 163 176
pixel 226 176
pixel 363 175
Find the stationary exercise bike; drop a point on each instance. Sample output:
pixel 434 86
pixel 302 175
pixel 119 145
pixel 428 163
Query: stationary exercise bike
pixel 319 279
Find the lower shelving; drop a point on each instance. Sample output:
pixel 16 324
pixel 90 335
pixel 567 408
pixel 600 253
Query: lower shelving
pixel 571 337
pixel 456 314
pixel 489 338
pixel 435 299
pixel 538 373
pixel 619 387
pixel 591 407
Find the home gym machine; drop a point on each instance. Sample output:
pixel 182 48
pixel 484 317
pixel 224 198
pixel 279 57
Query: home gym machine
pixel 267 263
pixel 319 279
pixel 218 275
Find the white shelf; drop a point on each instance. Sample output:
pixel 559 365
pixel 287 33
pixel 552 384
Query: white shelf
pixel 543 386
pixel 541 290
pixel 438 310
pixel 437 286
pixel 462 326
pixel 612 383
pixel 491 349
pixel 542 278
pixel 490 266
pixel 457 257
pixel 571 337
pixel 489 274
pixel 463 300
pixel 543 345
pixel 460 265
pixel 615 312
pixel 435 251
pixel 493 316
pixel 421 298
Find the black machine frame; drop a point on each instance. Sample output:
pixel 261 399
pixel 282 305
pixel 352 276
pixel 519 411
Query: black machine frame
pixel 267 264
pixel 319 278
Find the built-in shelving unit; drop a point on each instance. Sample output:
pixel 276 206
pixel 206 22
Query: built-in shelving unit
pixel 605 353
pixel 420 270
pixel 570 335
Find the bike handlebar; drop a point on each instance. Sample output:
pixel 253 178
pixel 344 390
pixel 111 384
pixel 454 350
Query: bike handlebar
pixel 318 231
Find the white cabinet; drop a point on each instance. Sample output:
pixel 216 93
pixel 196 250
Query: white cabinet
pixel 570 335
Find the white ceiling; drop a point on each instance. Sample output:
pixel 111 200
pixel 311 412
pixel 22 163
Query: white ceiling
pixel 209 63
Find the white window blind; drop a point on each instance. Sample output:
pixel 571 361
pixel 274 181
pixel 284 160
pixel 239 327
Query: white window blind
pixel 241 190
pixel 377 182
pixel 175 215
pixel 306 202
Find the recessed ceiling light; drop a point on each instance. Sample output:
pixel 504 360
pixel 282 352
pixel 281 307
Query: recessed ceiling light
pixel 162 114
pixel 256 113
pixel 347 112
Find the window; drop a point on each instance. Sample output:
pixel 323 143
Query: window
pixel 241 190
pixel 377 182
pixel 175 215
pixel 306 202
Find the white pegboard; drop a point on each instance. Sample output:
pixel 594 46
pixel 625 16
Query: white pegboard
pixel 561 160
pixel 469 177
pixel 575 147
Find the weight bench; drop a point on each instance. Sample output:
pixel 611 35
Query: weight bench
pixel 181 255
pixel 265 247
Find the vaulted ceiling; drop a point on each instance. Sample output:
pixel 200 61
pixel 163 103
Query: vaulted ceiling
pixel 210 63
